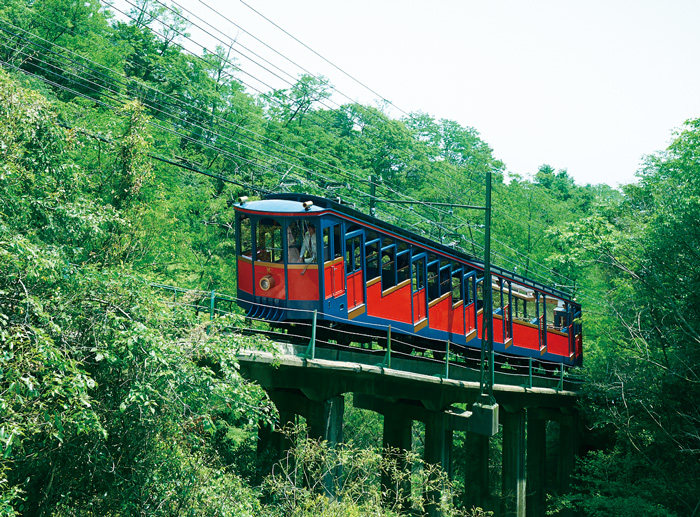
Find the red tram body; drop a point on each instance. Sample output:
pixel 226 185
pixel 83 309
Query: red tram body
pixel 299 255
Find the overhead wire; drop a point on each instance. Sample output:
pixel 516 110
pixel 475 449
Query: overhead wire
pixel 445 228
pixel 149 154
pixel 322 57
pixel 208 145
pixel 369 89
pixel 510 260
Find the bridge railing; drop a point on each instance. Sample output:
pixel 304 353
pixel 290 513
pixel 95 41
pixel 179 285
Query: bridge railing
pixel 387 348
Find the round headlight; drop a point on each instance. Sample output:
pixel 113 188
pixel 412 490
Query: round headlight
pixel 266 282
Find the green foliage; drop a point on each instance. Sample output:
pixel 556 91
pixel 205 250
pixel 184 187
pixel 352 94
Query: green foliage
pixel 112 403
pixel 643 338
pixel 298 483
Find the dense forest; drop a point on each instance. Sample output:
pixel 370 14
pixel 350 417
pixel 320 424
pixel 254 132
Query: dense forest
pixel 121 152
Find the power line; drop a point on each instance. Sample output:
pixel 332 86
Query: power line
pixel 322 57
pixel 533 261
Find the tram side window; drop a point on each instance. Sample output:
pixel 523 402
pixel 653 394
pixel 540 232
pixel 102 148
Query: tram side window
pixel 456 284
pixel 352 254
pixel 499 291
pixel 468 290
pixel 445 282
pixel 403 263
pixel 326 244
pixel 245 237
pixel 337 242
pixel 418 277
pixel 433 281
pixel 388 268
pixel 269 241
pixel 480 294
pixel 372 259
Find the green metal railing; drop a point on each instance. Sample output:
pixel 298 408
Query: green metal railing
pixel 211 302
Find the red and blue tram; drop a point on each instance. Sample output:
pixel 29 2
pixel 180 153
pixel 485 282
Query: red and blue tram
pixel 298 254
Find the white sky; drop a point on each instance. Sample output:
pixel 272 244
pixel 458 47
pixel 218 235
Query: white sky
pixel 587 86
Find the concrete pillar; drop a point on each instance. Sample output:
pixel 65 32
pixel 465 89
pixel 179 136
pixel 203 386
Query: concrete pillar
pixel 325 419
pixel 513 473
pixel 536 464
pixel 438 448
pixel 396 475
pixel 476 471
pixel 325 422
pixel 567 451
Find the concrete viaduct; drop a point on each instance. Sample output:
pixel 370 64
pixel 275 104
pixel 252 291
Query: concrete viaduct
pixel 313 385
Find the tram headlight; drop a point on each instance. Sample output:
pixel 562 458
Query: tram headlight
pixel 266 282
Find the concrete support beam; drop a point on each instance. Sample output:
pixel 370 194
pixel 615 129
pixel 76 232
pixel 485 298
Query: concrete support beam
pixel 476 472
pixel 536 464
pixel 513 473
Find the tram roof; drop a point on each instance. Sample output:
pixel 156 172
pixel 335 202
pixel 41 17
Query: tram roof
pixel 281 206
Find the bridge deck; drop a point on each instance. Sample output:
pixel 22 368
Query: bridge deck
pixel 333 371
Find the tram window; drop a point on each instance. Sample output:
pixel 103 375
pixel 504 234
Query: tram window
pixel 497 291
pixel 352 254
pixel 433 281
pixel 348 256
pixel 480 294
pixel 403 265
pixel 456 284
pixel 418 277
pixel 308 243
pixel 352 228
pixel 269 241
pixel 337 242
pixel 372 260
pixel 388 268
pixel 326 244
pixel 468 293
pixel 245 237
pixel 294 236
pixel 371 235
pixel 445 283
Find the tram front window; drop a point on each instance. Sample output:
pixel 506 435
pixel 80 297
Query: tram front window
pixel 269 241
pixel 301 242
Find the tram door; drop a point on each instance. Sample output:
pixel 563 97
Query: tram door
pixel 333 262
pixel 354 280
pixel 420 311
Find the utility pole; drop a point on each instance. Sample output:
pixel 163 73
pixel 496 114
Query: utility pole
pixel 487 378
pixel 487 354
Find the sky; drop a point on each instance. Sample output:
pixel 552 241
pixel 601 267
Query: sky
pixel 591 87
